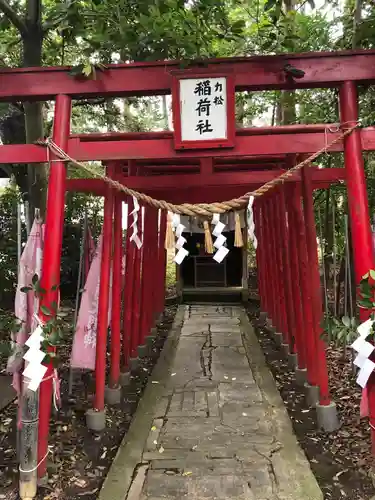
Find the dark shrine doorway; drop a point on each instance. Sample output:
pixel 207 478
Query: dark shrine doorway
pixel 200 270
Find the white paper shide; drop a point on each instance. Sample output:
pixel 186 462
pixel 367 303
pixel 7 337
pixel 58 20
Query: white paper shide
pixel 364 350
pixel 180 240
pixel 134 237
pixel 219 243
pixel 251 223
pixel 35 370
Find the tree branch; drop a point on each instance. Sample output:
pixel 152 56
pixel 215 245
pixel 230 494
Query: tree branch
pixel 13 17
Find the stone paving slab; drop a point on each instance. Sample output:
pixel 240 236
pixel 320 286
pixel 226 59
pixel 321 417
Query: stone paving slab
pixel 220 430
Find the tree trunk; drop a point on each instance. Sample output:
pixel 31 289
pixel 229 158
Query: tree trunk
pixel 32 41
pixel 328 239
pixel 288 98
pixel 356 21
pixel 165 112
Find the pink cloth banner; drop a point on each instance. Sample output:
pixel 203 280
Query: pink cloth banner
pixel 26 304
pixel 84 342
pixel 89 252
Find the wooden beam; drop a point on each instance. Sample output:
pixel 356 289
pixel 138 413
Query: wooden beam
pixel 322 69
pixel 159 150
pixel 182 182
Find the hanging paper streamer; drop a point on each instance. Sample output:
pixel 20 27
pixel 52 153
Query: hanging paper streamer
pixel 180 240
pixel 364 350
pixel 134 237
pixel 219 244
pixel 250 223
pixel 34 370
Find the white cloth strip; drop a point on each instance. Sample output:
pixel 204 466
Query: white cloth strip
pixel 219 243
pixel 251 223
pixel 180 240
pixel 364 350
pixel 134 237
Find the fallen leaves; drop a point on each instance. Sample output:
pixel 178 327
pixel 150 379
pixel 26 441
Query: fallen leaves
pixel 80 458
pixel 340 460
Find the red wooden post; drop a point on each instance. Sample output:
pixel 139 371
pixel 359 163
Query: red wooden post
pixel 358 211
pixel 116 294
pixel 266 258
pixel 163 260
pixel 277 279
pixel 263 254
pixel 105 275
pixel 130 250
pixel 275 273
pixel 154 270
pixel 258 254
pixel 284 267
pixel 269 262
pixel 356 186
pixel 295 281
pixel 287 263
pixel 145 285
pixel 272 262
pixel 324 397
pixel 52 258
pixel 308 330
pixel 136 299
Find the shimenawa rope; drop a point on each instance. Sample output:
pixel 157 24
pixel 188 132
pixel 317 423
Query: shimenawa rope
pixel 199 209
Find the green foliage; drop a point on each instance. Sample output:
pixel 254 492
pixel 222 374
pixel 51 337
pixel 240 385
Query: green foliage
pixel 53 324
pixel 89 34
pixel 8 245
pixel 366 291
pixel 343 331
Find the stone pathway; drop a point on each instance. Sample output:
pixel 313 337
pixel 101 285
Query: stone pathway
pixel 220 430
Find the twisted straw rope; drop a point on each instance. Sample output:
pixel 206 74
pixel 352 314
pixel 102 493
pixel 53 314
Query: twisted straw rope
pixel 199 209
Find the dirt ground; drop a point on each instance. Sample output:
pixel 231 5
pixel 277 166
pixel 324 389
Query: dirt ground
pixel 80 459
pixel 340 460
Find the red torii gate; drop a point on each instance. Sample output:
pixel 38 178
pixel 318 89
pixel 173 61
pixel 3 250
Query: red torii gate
pixel 273 148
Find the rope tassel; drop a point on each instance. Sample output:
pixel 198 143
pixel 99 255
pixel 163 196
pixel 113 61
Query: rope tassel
pixel 169 236
pixel 238 239
pixel 208 245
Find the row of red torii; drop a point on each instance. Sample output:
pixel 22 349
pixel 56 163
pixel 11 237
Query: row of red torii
pixel 181 167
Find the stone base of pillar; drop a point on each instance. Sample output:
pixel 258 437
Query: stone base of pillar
pixel 95 420
pixel 124 378
pixel 301 376
pixel 285 350
pixel 112 395
pixel 292 360
pixel 134 364
pixel 327 417
pixel 312 395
